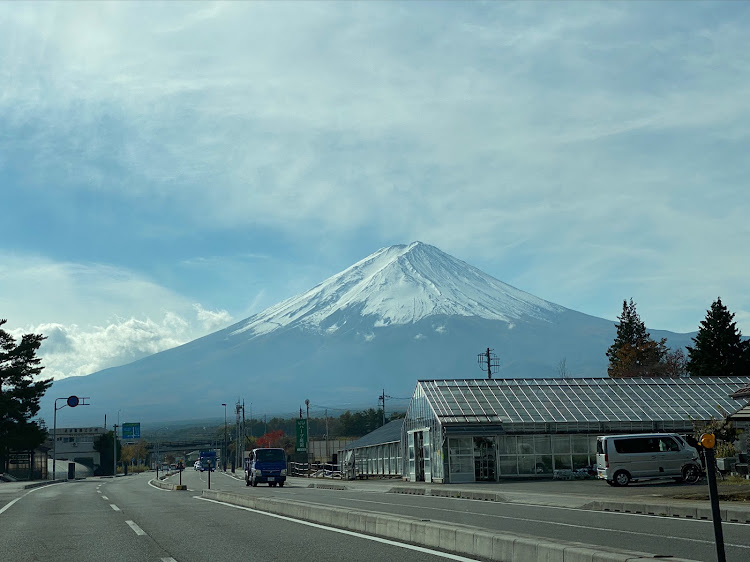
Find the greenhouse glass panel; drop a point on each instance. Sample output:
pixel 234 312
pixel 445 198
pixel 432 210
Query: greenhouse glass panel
pixel 563 462
pixel 508 465
pixel 542 444
pixel 561 444
pixel 526 464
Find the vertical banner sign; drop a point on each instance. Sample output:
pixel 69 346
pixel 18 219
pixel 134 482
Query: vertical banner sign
pixel 301 436
pixel 131 431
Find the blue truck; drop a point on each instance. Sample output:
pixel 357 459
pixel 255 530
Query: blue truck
pixel 265 466
pixel 207 460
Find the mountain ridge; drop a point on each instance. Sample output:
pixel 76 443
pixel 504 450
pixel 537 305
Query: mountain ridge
pixel 403 313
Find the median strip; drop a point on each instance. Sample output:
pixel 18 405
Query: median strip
pixel 459 539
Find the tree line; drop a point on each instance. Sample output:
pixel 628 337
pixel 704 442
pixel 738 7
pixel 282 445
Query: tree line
pixel 718 348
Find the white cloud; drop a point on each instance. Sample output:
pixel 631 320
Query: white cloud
pixel 99 316
pixel 420 337
pixel 210 319
pixel 583 152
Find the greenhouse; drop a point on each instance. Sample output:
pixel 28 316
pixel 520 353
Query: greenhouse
pixel 469 430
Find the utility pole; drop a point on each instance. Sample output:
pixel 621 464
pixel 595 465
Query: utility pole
pixel 381 400
pixel 114 453
pixel 224 453
pixel 309 465
pixel 487 360
pixel 327 455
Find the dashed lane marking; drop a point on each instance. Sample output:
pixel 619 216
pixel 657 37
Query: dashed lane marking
pixel 136 528
pixel 113 506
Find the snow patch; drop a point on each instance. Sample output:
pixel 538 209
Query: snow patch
pixel 402 285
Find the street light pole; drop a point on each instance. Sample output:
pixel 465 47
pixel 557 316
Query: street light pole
pixel 224 455
pixel 71 401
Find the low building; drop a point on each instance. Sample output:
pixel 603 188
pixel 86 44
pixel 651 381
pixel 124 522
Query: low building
pixel 486 429
pixel 76 444
pixel 377 454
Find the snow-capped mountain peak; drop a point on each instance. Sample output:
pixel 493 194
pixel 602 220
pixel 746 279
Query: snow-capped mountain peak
pixel 400 285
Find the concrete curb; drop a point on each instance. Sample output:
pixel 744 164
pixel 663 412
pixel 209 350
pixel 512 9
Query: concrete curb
pixel 43 483
pixel 728 513
pixel 168 485
pixel 692 510
pixel 458 539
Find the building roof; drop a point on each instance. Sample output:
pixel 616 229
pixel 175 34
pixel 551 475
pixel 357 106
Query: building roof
pixel 743 414
pixel 389 433
pixel 743 392
pixel 483 401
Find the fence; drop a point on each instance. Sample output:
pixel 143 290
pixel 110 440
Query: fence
pixel 27 465
pixel 314 470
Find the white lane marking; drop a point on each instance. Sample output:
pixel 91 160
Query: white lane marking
pixel 136 528
pixel 350 533
pixel 168 559
pixel 7 505
pixel 606 529
pixel 98 491
pixel 113 506
pixel 105 498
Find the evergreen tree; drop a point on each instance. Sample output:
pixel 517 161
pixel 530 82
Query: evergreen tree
pixel 719 350
pixel 634 353
pixel 106 447
pixel 20 394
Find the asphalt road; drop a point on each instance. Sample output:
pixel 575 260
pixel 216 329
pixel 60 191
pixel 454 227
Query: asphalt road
pixel 685 538
pixel 126 519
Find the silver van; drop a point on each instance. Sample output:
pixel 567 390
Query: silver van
pixel 622 458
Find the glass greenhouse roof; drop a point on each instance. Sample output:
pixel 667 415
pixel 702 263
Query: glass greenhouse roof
pixel 581 400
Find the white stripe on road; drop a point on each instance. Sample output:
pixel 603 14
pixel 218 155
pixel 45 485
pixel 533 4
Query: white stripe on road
pixel 113 506
pixel 350 533
pixel 169 559
pixel 136 528
pixel 105 498
pixel 7 505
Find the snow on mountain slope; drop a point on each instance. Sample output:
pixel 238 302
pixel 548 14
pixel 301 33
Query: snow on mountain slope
pixel 401 285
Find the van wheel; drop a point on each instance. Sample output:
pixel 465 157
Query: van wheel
pixel 281 484
pixel 621 478
pixel 691 474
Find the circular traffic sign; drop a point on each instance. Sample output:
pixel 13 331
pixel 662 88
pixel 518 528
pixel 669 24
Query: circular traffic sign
pixel 72 401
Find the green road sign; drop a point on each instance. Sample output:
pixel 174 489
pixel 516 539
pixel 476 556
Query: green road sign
pixel 131 431
pixel 301 436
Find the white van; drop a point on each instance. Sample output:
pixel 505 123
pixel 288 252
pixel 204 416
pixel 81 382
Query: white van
pixel 622 458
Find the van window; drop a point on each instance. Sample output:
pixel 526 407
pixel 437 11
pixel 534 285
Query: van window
pixel 601 447
pixel 637 445
pixel 668 444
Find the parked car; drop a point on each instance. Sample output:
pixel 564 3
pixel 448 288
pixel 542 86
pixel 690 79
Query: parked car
pixel 621 459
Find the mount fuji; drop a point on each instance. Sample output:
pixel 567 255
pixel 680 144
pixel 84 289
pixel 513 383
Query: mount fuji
pixel 404 313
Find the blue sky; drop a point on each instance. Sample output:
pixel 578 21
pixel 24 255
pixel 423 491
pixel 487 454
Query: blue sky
pixel 167 169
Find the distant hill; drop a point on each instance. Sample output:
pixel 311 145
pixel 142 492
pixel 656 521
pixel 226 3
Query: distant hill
pixel 404 313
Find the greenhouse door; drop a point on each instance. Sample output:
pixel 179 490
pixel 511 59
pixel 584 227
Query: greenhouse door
pixel 420 465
